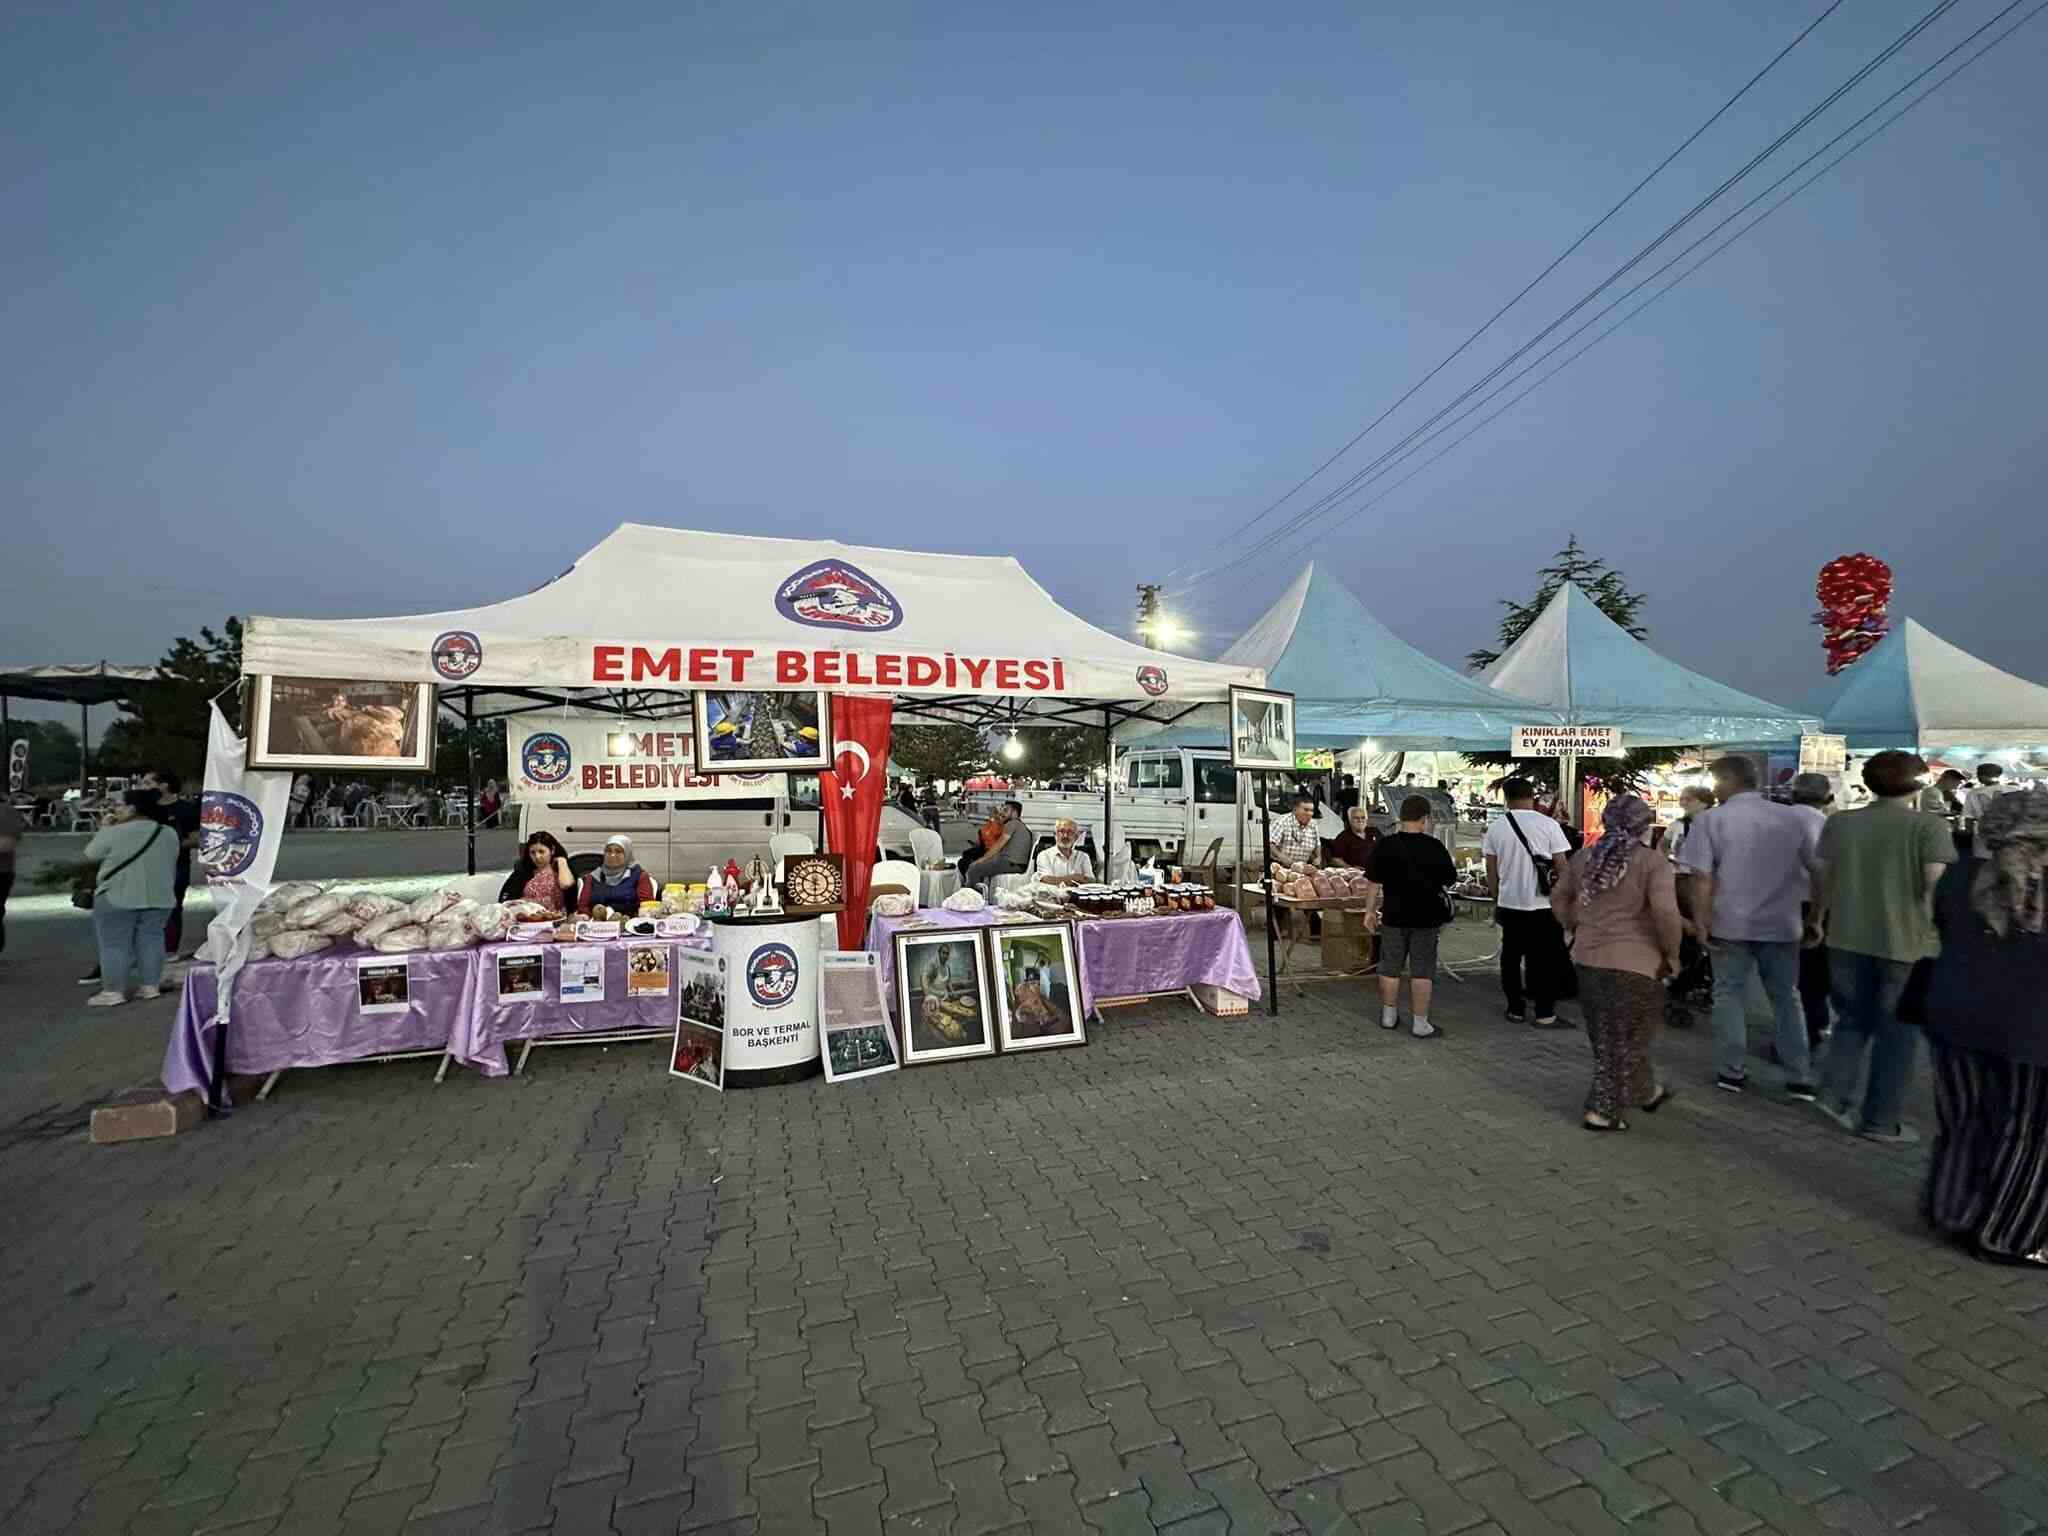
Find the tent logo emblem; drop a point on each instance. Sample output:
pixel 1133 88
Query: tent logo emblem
pixel 1152 680
pixel 230 834
pixel 772 975
pixel 457 654
pixel 831 594
pixel 545 759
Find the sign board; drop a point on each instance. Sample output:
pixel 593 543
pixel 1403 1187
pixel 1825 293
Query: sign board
pixel 1315 759
pixel 1824 754
pixel 607 758
pixel 1567 741
pixel 17 766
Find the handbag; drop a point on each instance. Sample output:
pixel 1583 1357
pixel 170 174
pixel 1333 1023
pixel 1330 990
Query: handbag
pixel 82 894
pixel 1546 875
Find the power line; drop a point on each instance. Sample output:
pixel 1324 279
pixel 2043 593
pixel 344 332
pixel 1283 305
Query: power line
pixel 1329 498
pixel 1556 261
pixel 1680 257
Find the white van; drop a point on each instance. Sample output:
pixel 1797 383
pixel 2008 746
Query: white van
pixel 682 839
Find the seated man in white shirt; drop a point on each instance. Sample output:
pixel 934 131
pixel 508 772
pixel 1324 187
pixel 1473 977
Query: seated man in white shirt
pixel 1065 862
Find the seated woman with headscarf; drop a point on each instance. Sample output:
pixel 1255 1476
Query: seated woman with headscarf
pixel 1353 846
pixel 618 885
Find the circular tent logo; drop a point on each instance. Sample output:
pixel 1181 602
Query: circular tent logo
pixel 1152 680
pixel 545 759
pixel 772 975
pixel 831 594
pixel 457 654
pixel 230 834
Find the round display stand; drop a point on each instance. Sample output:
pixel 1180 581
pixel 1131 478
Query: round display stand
pixel 771 997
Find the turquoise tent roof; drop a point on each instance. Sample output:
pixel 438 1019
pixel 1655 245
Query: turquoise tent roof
pixel 1584 665
pixel 1914 689
pixel 1354 679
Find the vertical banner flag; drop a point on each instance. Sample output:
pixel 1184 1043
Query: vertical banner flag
pixel 852 792
pixel 241 825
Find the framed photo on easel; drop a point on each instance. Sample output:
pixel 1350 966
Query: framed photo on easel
pixel 1037 984
pixel 1261 730
pixel 942 994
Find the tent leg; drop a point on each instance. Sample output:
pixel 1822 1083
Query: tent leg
pixel 84 742
pixel 1266 835
pixel 1567 786
pixel 1108 791
pixel 469 736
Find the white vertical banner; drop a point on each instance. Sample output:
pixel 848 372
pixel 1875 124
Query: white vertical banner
pixel 241 825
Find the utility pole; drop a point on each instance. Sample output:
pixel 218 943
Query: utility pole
pixel 1148 612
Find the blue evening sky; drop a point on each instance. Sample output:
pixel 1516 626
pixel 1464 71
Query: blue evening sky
pixel 352 310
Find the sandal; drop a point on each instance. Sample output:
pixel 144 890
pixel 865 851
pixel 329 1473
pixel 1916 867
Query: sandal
pixel 1616 1125
pixel 1657 1103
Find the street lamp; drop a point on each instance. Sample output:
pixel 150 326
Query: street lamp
pixel 1013 748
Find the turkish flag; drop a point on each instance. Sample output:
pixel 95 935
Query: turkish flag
pixel 852 800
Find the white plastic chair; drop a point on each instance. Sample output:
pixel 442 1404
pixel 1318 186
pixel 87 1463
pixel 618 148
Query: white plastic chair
pixel 898 874
pixel 783 844
pixel 927 847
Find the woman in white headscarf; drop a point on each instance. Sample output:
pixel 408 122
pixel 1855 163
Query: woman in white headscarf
pixel 618 885
pixel 1987 1027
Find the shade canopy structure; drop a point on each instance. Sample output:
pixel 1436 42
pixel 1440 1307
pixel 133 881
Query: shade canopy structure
pixel 89 682
pixel 968 638
pixel 1914 689
pixel 1353 680
pixel 1578 661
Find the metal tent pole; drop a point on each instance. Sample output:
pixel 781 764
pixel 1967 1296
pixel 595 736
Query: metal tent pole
pixel 1108 790
pixel 1266 836
pixel 469 736
pixel 84 745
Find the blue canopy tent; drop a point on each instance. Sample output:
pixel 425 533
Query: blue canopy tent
pixel 1914 689
pixel 1591 671
pixel 1353 679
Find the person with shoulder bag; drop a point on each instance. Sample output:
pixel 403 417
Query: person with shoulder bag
pixel 130 899
pixel 1525 853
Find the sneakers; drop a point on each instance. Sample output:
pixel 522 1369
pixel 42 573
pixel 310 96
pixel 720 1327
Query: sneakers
pixel 1839 1113
pixel 1803 1093
pixel 1548 1021
pixel 1426 1031
pixel 92 980
pixel 146 994
pixel 1513 1015
pixel 1731 1082
pixel 1900 1135
pixel 105 1000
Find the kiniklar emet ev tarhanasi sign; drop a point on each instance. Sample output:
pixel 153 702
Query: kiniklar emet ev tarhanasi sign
pixel 1567 741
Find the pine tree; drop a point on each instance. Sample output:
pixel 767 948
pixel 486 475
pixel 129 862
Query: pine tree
pixel 1593 576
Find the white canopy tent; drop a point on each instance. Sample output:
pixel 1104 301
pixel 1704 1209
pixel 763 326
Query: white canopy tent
pixel 1914 689
pixel 968 638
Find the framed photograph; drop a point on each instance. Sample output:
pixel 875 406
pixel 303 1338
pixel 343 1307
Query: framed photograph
pixel 763 732
pixel 854 1015
pixel 700 989
pixel 814 882
pixel 1037 986
pixel 942 994
pixel 341 724
pixel 1261 730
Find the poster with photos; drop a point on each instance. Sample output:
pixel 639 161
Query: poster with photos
pixel 854 1015
pixel 383 984
pixel 521 974
pixel 699 1053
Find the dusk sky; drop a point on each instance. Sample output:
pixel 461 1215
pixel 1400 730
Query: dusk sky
pixel 369 309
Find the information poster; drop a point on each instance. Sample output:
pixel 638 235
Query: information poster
pixel 520 976
pixel 582 973
pixel 383 984
pixel 647 970
pixel 854 1015
pixel 699 1053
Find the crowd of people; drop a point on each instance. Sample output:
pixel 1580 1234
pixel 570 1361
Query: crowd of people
pixel 1919 910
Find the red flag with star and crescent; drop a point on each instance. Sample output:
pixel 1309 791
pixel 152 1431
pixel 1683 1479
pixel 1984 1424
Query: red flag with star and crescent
pixel 851 793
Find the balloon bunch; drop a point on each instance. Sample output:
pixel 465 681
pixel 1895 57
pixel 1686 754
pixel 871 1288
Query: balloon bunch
pixel 1855 593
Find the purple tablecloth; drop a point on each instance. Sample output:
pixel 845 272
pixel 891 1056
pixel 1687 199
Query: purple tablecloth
pixel 1120 956
pixel 302 1013
pixel 480 1035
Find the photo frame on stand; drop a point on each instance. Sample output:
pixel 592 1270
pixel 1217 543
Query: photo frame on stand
pixel 762 732
pixel 1261 730
pixel 942 998
pixel 341 725
pixel 1036 976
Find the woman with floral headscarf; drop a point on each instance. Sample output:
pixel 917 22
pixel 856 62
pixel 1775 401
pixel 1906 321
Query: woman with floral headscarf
pixel 1987 1024
pixel 1622 900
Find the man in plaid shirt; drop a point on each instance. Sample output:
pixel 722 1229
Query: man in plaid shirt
pixel 1295 840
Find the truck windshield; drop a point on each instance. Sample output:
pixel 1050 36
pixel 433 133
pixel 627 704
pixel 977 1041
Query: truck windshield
pixel 1215 781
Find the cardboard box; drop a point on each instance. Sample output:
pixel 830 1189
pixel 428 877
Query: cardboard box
pixel 141 1113
pixel 1220 1002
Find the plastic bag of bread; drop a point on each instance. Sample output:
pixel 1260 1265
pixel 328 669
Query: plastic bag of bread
pixel 491 921
pixel 427 908
pixel 450 933
pixel 295 943
pixel 365 905
pixel 284 897
pixel 312 912
pixel 264 924
pixel 894 904
pixel 259 949
pixel 966 899
pixel 340 926
pixel 1323 885
pixel 524 911
pixel 377 927
pixel 397 941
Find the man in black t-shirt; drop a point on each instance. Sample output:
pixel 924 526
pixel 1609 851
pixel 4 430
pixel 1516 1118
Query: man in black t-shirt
pixel 1414 870
pixel 181 815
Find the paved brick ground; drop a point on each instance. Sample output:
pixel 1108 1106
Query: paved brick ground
pixel 1201 1276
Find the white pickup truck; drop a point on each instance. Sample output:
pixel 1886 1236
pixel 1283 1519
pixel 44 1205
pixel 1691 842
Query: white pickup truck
pixel 1171 803
pixel 681 839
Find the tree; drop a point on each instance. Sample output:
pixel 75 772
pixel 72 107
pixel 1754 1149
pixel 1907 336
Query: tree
pixel 1610 593
pixel 451 751
pixel 1593 576
pixel 937 753
pixel 1059 751
pixel 168 723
